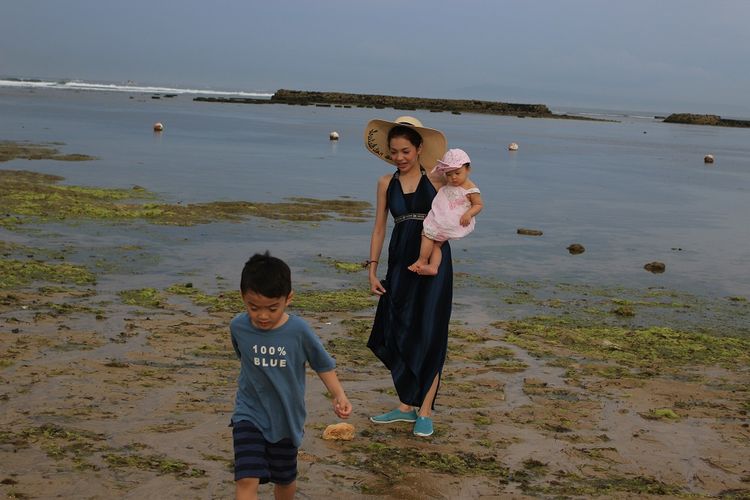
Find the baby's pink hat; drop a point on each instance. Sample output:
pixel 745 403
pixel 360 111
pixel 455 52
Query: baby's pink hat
pixel 452 159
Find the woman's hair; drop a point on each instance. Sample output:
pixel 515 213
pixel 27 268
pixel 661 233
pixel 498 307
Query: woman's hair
pixel 407 132
pixel 267 276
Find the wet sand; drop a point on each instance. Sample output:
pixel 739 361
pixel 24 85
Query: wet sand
pixel 101 398
pixel 111 387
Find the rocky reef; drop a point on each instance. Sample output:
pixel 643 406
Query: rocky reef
pixel 455 106
pixel 715 120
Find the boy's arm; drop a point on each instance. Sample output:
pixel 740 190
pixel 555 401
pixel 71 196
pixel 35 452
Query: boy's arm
pixel 341 405
pixel 236 348
pixel 476 207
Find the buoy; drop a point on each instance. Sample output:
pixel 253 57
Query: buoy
pixel 708 159
pixel 158 127
pixel 334 136
pixel 513 146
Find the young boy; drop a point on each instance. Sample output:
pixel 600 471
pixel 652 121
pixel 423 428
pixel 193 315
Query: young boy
pixel 273 347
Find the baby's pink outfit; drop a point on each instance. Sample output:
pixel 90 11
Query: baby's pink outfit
pixel 443 221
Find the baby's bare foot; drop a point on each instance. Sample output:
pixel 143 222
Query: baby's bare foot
pixel 428 270
pixel 415 268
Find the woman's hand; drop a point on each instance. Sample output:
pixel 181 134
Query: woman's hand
pixel 376 286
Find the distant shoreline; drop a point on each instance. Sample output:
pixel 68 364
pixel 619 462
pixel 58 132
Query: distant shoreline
pixel 347 100
pixel 455 106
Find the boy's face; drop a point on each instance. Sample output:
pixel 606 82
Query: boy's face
pixel 266 313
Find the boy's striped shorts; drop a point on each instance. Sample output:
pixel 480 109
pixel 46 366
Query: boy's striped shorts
pixel 256 457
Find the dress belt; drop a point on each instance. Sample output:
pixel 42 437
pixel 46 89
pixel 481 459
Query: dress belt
pixel 402 218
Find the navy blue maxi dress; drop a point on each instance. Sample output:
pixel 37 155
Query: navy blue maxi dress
pixel 410 331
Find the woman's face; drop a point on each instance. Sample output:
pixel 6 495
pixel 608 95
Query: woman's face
pixel 404 153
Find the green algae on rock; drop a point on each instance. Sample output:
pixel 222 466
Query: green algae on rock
pixel 34 196
pixel 387 460
pixel 661 414
pixel 154 463
pixel 143 297
pixel 29 196
pixel 344 266
pixel 59 443
pixel 223 302
pixel 11 150
pixel 635 347
pixel 570 484
pixel 18 273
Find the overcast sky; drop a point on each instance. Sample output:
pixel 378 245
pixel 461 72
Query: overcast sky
pixel 660 55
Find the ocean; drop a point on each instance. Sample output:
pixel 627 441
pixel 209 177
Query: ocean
pixel 631 191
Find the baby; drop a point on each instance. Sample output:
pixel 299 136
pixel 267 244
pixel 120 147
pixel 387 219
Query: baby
pixel 452 213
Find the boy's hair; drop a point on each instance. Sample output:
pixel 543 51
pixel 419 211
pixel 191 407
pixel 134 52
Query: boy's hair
pixel 267 276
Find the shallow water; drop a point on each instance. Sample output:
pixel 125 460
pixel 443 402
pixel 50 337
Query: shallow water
pixel 631 192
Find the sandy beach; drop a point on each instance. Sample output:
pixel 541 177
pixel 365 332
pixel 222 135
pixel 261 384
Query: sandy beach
pixel 564 392
pixel 102 398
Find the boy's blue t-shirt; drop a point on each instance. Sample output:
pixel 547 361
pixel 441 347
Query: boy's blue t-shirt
pixel 271 385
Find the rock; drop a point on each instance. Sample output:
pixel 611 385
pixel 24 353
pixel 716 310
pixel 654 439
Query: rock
pixel 339 432
pixel 708 159
pixel 158 127
pixel 576 248
pixel 334 136
pixel 513 146
pixel 693 119
pixel 655 267
pixel 529 232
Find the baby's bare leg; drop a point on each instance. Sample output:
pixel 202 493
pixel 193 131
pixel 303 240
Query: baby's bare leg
pixel 431 269
pixel 425 251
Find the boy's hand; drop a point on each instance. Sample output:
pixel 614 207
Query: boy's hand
pixel 341 406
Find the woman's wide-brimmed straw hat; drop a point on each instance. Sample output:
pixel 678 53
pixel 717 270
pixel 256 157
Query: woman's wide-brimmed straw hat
pixel 434 143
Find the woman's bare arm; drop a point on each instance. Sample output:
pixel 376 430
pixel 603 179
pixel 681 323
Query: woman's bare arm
pixel 378 234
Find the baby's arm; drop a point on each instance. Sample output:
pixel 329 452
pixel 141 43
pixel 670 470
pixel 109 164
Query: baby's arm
pixel 341 405
pixel 476 206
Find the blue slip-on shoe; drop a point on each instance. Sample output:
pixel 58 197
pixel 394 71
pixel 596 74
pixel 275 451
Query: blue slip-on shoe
pixel 423 427
pixel 395 416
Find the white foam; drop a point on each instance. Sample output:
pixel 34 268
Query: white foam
pixel 133 88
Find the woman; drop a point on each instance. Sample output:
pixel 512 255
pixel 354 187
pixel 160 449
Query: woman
pixel 410 331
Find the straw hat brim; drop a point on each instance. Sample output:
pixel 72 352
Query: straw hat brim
pixel 434 143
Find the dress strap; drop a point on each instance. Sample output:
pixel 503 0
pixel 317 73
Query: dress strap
pixel 402 218
pixel 421 170
pixel 472 190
